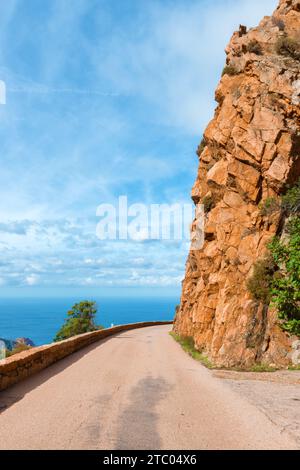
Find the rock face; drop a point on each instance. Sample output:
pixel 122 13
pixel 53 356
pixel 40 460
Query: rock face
pixel 11 344
pixel 24 341
pixel 250 153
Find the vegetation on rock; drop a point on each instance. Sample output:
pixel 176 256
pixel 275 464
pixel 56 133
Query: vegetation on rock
pixel 201 147
pixel 81 319
pixel 279 23
pixel 208 203
pixel 288 47
pixel 285 286
pixel 262 368
pixel 269 206
pixel 259 283
pixel 254 47
pixel 230 70
pixel 291 200
pixel 276 278
pixel 188 345
pixel 20 347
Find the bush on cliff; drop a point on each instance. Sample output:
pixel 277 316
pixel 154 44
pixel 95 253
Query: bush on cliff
pixel 289 203
pixel 230 70
pixel 209 203
pixel 269 206
pixel 279 23
pixel 188 345
pixel 259 283
pixel 201 147
pixel 81 319
pixel 20 347
pixel 254 47
pixel 285 288
pixel 291 200
pixel 288 47
pixel 276 278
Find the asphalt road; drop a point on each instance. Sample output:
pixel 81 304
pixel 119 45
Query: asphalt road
pixel 136 390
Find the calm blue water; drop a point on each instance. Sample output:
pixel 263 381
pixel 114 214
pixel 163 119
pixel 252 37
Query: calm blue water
pixel 40 319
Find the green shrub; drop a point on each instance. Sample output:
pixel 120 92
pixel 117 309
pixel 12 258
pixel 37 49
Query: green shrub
pixel 295 150
pixel 276 278
pixel 269 206
pixel 291 200
pixel 285 288
pixel 201 147
pixel 294 367
pixel 254 47
pixel 279 23
pixel 288 47
pixel 230 70
pixel 262 368
pixel 81 319
pixel 260 281
pixel 20 347
pixel 188 345
pixel 215 150
pixel 208 203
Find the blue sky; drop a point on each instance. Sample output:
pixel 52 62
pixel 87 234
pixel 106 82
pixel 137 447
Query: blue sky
pixel 104 98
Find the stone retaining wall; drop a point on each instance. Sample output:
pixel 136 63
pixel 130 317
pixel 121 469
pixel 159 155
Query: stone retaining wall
pixel 22 365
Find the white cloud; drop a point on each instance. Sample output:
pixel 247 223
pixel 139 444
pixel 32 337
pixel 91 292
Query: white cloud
pixel 32 280
pixel 88 281
pixel 172 58
pixel 138 261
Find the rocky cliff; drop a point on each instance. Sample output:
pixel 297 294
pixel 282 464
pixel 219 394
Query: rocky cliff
pixel 250 153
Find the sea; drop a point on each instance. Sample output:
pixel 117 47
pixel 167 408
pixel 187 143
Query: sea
pixel 40 318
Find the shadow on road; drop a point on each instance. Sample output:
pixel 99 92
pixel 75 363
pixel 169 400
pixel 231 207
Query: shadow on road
pixel 138 423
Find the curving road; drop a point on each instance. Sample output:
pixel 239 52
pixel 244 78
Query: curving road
pixel 136 390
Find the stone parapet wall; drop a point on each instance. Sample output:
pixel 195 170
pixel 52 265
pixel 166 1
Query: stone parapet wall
pixel 23 365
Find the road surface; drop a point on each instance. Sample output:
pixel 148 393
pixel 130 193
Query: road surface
pixel 136 390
